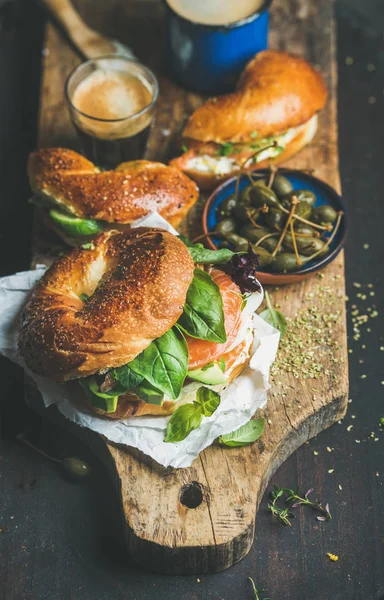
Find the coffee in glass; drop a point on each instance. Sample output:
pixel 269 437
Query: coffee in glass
pixel 112 102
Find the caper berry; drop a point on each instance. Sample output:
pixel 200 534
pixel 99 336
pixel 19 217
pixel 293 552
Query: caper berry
pixel 270 243
pixel 252 233
pixel 261 181
pixel 243 211
pixel 281 185
pixel 314 246
pixel 323 215
pixel 261 194
pixel 302 243
pixel 303 210
pixel 226 207
pixel 304 229
pixel 275 218
pixel 75 467
pixel 265 257
pixel 304 196
pixel 240 244
pixel 285 263
pixel 225 226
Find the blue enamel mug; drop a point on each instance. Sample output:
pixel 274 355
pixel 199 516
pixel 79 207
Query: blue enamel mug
pixel 209 58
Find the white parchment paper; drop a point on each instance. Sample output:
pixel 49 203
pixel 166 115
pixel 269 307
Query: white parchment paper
pixel 239 400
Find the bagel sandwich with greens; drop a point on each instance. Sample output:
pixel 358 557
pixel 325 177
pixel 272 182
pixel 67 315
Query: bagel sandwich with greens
pixel 78 201
pixel 145 322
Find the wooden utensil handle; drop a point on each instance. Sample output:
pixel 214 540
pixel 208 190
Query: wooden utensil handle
pixel 67 16
pixel 87 40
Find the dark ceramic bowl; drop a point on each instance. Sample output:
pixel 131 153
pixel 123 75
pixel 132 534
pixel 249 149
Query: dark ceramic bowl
pixel 325 194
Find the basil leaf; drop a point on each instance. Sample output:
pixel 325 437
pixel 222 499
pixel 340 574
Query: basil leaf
pixel 185 419
pixel 245 435
pixel 164 363
pixel 128 378
pixel 203 315
pixel 208 400
pixel 149 393
pixel 274 317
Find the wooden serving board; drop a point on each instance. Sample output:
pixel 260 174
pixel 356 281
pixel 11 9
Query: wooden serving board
pixel 224 485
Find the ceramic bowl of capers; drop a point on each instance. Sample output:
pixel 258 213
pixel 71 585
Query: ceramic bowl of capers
pixel 293 221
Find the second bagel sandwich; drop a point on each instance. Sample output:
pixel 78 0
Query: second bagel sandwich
pixel 78 201
pixel 270 116
pixel 144 321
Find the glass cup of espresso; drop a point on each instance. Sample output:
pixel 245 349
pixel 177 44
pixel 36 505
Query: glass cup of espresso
pixel 112 104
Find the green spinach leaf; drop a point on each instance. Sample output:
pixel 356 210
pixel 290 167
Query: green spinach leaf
pixel 245 435
pixel 128 378
pixel 204 256
pixel 274 317
pixel 203 315
pixel 164 364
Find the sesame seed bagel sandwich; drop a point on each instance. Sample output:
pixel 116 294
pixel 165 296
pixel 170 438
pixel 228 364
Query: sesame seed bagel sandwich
pixel 270 116
pixel 141 319
pixel 78 201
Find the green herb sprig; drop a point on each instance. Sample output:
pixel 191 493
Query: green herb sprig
pixel 294 500
pixel 256 591
pixel 283 515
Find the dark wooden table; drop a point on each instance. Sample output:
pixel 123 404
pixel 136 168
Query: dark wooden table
pixel 59 540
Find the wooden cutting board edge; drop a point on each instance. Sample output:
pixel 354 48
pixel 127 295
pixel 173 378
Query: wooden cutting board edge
pixel 166 535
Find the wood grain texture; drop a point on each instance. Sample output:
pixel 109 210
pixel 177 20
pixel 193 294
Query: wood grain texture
pixel 162 533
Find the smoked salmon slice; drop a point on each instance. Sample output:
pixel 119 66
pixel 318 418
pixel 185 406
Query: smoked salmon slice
pixel 203 352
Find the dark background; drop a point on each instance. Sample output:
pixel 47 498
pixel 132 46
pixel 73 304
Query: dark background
pixel 60 540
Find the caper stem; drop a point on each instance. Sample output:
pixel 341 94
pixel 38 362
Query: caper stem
pixel 273 171
pixel 21 437
pixel 315 225
pixel 242 166
pixel 266 236
pixel 329 240
pixel 298 259
pixel 294 203
pixel 311 223
pixel 253 220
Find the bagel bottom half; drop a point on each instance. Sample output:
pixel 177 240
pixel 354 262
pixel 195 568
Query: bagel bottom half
pixel 208 180
pixel 129 405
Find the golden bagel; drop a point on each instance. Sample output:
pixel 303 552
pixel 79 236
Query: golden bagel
pixel 98 308
pixel 118 197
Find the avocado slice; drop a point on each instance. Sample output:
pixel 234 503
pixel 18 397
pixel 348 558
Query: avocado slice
pixel 74 225
pixel 103 400
pixel 149 393
pixel 213 375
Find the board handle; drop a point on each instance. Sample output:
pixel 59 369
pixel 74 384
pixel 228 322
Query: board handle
pixel 89 42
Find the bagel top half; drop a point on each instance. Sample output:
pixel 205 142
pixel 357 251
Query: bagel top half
pixel 134 189
pixel 100 307
pixel 276 91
